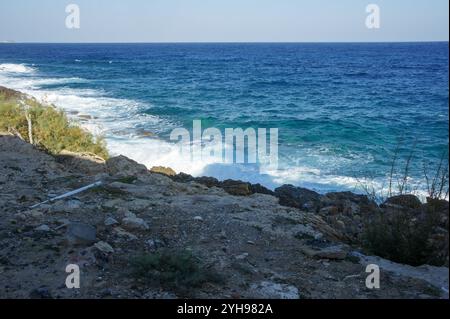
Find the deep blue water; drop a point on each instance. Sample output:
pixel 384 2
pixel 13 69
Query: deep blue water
pixel 340 108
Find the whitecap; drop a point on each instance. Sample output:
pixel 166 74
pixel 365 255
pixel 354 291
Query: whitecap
pixel 15 68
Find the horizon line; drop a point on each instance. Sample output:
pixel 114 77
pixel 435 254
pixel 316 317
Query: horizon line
pixel 221 42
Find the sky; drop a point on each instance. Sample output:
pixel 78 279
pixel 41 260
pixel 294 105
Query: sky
pixel 224 21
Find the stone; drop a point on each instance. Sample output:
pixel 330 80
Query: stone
pixel 43 228
pixel 329 210
pixel 154 244
pixel 163 170
pixel 104 247
pixel 236 188
pixel 335 252
pixel 134 223
pixel 272 290
pixel 69 206
pixel 406 201
pixel 258 188
pixel 81 234
pixel 297 197
pixel 242 256
pixel 110 221
pixel 120 232
pixel 122 166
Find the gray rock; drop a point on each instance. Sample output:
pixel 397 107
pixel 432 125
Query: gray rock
pixel 104 247
pixel 68 206
pixel 43 228
pixel 122 166
pixel 134 223
pixel 330 252
pixel 242 256
pixel 407 201
pixel 272 290
pixel 110 221
pixel 154 244
pixel 81 234
pixel 298 197
pixel 120 232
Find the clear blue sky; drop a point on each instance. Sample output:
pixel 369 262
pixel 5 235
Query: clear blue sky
pixel 223 21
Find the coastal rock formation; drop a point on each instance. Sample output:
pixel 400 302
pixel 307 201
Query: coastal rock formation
pixel 133 236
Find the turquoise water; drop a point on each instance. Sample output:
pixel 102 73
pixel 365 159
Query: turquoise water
pixel 340 108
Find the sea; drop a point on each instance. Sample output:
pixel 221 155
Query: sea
pixel 344 111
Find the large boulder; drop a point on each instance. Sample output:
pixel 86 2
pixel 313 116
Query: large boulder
pixel 347 214
pixel 236 188
pixel 298 197
pixel 122 166
pixel 403 201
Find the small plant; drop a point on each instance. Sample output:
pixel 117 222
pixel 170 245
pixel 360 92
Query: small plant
pixel 438 185
pixel 174 269
pixel 399 181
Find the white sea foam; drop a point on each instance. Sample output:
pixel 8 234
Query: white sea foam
pixel 15 68
pixel 118 119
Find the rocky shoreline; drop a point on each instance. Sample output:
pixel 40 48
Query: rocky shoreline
pixel 157 234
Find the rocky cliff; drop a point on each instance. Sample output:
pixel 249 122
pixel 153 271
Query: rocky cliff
pixel 143 234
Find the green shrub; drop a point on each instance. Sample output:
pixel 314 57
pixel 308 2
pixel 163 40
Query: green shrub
pixel 51 129
pixel 397 236
pixel 175 269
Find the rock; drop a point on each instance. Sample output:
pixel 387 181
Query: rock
pixel 113 203
pixel 323 249
pixel 297 197
pixel 69 206
pixel 242 256
pixel 208 181
pixel 122 166
pixel 20 216
pixel 272 290
pixel 436 276
pixel 85 116
pixel 329 210
pixel 337 252
pixel 154 244
pixel 183 178
pixel 139 204
pixel 126 213
pixel 120 232
pixel 347 214
pixel 258 188
pixel 134 223
pixel 43 228
pixel 110 221
pixel 145 133
pixel 81 234
pixel 34 213
pixel 104 247
pixel 163 170
pixel 236 188
pixel 406 201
